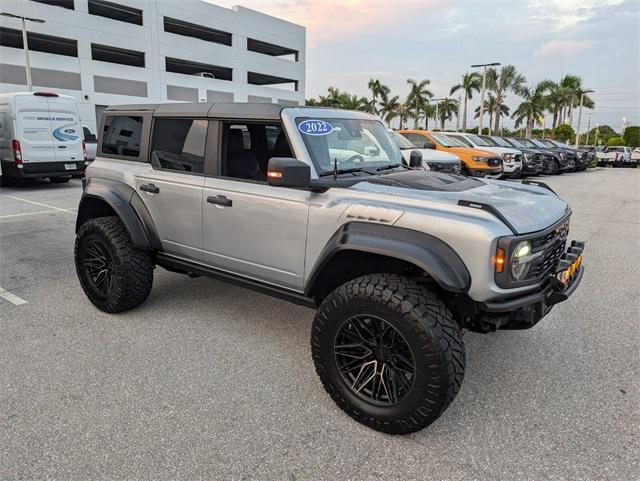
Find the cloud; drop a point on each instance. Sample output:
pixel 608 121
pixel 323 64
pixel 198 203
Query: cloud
pixel 560 15
pixel 334 20
pixel 562 49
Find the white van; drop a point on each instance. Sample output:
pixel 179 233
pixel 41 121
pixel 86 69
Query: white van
pixel 41 136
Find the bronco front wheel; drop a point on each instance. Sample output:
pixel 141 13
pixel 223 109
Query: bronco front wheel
pixel 389 352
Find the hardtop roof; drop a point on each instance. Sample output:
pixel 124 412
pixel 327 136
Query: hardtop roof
pixel 205 109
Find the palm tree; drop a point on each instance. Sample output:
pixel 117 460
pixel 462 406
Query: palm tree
pixel 446 109
pixel 533 105
pixel 353 102
pixel 470 81
pixel 418 98
pixel 404 111
pixel 489 106
pixel 501 82
pixel 572 85
pixel 377 90
pixel 389 108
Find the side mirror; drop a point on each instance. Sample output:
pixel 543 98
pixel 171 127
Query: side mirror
pixel 287 172
pixel 415 159
pixel 429 145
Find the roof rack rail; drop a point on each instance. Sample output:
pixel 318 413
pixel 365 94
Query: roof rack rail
pixel 488 208
pixel 539 184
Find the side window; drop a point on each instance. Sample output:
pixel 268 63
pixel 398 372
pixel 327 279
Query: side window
pixel 88 136
pixel 247 148
pixel 462 139
pixel 121 135
pixel 416 139
pixel 178 144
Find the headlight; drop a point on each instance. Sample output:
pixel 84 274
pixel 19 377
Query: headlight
pixel 579 155
pixel 482 160
pixel 521 260
pixel 507 157
pixel 561 154
pixel 525 157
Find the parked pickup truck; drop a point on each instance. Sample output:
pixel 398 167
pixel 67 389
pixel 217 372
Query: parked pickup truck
pixel 617 156
pixel 320 209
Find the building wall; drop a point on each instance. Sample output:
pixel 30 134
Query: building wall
pixel 96 83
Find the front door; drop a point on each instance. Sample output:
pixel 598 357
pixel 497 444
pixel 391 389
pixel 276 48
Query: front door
pixel 249 227
pixel 171 184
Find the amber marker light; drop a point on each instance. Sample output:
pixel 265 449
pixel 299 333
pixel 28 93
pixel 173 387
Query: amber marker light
pixel 498 260
pixel 274 175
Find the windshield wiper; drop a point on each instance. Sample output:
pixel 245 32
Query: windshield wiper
pixel 344 171
pixel 390 166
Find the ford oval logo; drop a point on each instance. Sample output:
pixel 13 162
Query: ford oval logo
pixel 315 127
pixel 70 131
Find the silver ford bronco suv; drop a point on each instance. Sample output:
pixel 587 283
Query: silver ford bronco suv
pixel 316 206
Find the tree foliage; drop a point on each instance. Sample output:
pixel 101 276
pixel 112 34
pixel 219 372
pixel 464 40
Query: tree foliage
pixel 615 140
pixel 632 136
pixel 564 133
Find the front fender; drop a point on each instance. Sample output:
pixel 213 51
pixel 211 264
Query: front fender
pixel 425 251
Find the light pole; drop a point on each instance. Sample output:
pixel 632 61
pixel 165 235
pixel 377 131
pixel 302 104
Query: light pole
pixel 484 84
pixel 438 100
pixel 25 43
pixel 580 114
pixel 458 116
pixel 588 129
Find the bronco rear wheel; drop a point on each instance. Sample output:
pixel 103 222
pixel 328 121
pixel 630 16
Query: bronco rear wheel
pixel 114 275
pixel 389 352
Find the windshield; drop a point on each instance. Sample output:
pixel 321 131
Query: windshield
pixel 514 142
pixel 348 144
pixel 536 143
pixel 499 141
pixel 478 141
pixel 547 143
pixel 528 143
pixel 447 141
pixel 561 144
pixel 401 141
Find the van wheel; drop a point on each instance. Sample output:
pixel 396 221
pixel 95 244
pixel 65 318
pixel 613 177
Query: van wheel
pixel 59 180
pixel 389 352
pixel 114 275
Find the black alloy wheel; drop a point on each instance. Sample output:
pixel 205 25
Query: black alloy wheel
pixel 98 265
pixel 374 360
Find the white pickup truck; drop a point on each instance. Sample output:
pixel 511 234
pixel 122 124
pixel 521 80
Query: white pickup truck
pixel 617 155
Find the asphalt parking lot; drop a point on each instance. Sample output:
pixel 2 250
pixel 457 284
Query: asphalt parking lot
pixel 211 381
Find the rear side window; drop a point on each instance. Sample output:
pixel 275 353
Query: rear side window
pixel 121 136
pixel 178 144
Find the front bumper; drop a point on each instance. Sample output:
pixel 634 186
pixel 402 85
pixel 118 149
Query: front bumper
pixel 525 311
pixel 492 173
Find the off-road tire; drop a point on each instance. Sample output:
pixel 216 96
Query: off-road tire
pixel 132 267
pixel 59 180
pixel 431 332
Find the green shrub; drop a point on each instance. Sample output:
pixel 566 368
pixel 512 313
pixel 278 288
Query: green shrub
pixel 564 133
pixel 615 141
pixel 632 136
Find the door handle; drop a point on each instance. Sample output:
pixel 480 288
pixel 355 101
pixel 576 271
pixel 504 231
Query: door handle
pixel 154 189
pixel 220 200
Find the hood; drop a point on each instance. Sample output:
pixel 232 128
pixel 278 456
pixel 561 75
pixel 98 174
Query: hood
pixel 431 155
pixel 527 208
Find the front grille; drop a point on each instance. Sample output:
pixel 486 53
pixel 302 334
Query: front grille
pixel 494 162
pixel 552 245
pixel 518 158
pixel 445 168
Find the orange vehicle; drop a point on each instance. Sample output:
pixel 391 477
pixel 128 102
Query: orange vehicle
pixel 476 162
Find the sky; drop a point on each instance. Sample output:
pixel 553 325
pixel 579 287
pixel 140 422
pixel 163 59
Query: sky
pixel 351 41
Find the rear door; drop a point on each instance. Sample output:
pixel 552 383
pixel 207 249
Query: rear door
pixel 171 184
pixel 66 130
pixel 33 129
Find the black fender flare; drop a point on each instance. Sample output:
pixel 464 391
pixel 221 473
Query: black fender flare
pixel 429 253
pixel 128 206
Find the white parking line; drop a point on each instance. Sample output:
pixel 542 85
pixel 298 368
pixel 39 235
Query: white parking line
pixel 12 298
pixel 40 204
pixel 9 216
